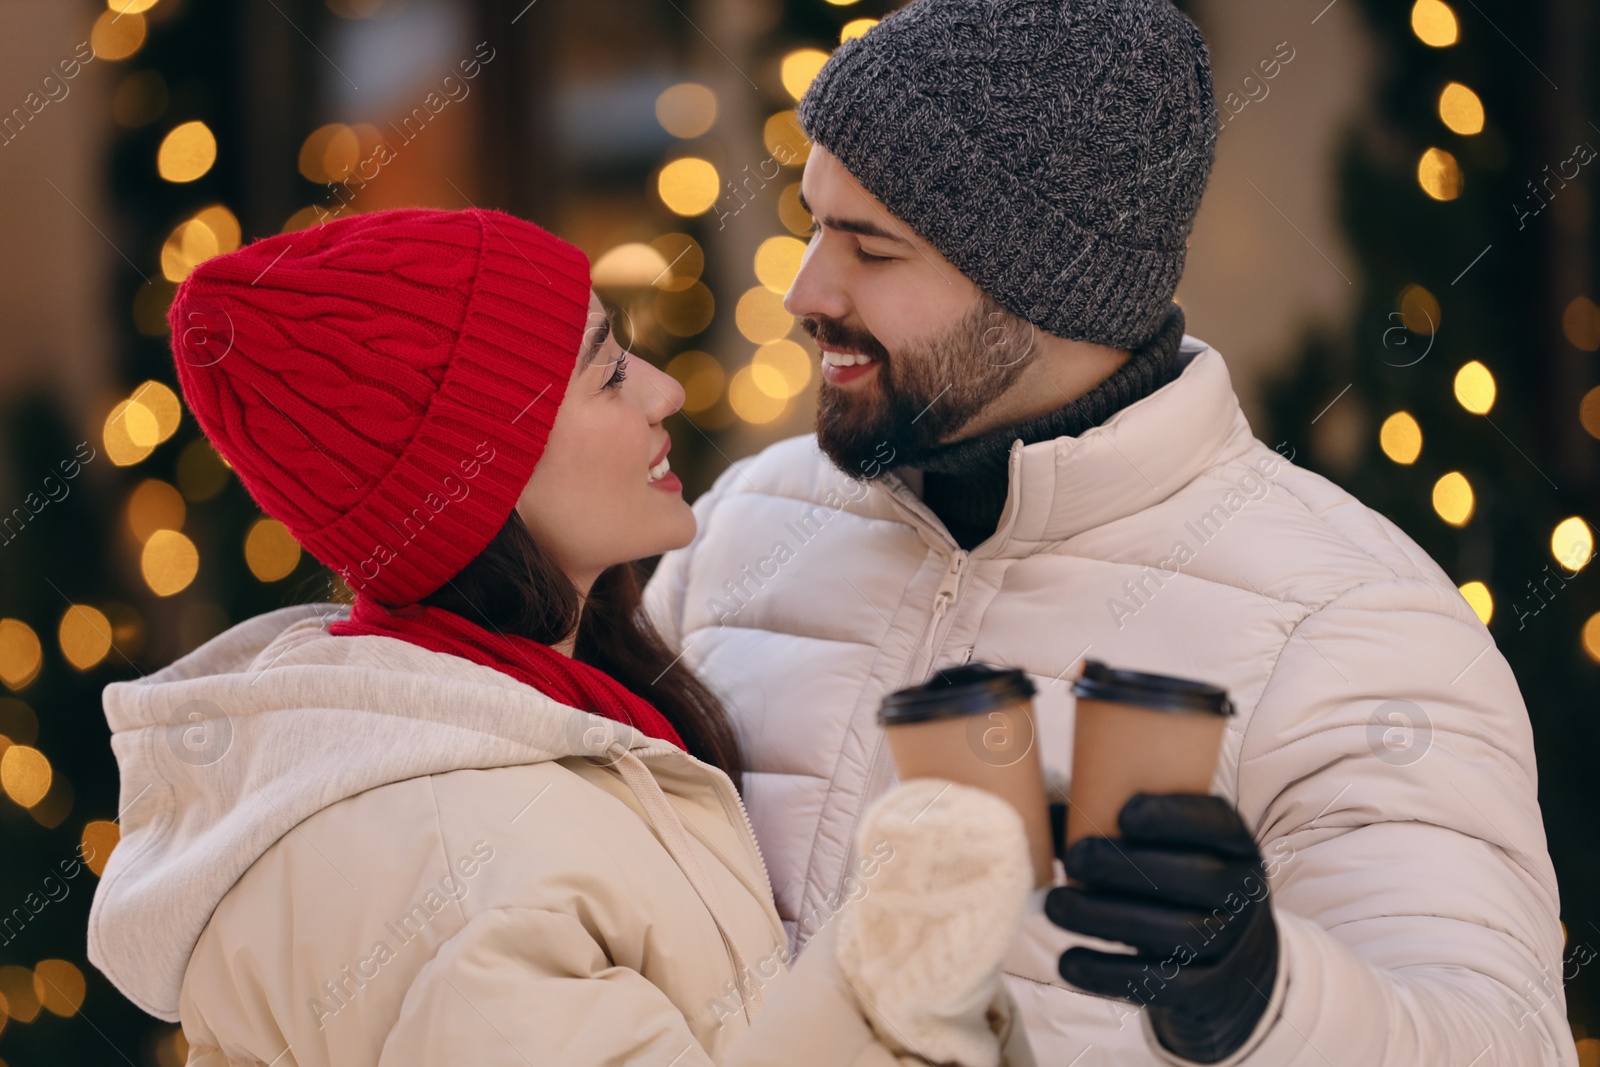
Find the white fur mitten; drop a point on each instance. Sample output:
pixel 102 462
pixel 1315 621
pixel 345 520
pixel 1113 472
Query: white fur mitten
pixel 923 947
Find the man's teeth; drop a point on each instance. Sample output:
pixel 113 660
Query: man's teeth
pixel 660 470
pixel 843 359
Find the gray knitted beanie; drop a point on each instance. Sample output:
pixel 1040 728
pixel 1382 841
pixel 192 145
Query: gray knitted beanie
pixel 1054 151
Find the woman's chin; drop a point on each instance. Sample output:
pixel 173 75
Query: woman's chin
pixel 674 531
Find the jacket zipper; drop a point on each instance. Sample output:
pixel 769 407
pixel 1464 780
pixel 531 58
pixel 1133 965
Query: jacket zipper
pixel 738 802
pixel 753 1003
pixel 948 587
pixel 879 768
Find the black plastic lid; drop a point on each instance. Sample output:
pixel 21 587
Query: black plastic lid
pixel 1158 692
pixel 970 689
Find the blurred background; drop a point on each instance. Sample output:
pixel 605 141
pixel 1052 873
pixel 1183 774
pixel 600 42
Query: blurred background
pixel 1398 256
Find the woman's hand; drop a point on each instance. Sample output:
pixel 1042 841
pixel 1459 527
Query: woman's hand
pixel 922 948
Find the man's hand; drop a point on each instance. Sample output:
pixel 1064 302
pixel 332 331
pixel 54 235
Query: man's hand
pixel 1186 887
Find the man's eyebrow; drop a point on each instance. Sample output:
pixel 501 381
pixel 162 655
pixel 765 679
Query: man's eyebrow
pixel 861 227
pixel 595 340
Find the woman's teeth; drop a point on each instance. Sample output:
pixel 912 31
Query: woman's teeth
pixel 659 471
pixel 844 359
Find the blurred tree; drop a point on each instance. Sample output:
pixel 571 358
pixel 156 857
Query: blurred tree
pixel 179 64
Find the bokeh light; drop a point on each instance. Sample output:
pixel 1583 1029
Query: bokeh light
pixel 311 215
pixel 1580 322
pixel 1439 174
pixel 795 219
pixel 1589 412
pixel 688 186
pixel 1461 109
pixel 85 636
pixel 777 261
pixel 25 774
pixel 99 838
pixel 701 376
pixel 634 265
pixel 1419 311
pixel 270 550
pixel 1401 438
pixel 16 989
pixel 210 232
pixel 154 504
pixel 761 316
pixel 685 312
pixel 687 109
pixel 1572 543
pixel 685 260
pixel 1435 23
pixel 1477 596
pixel 750 402
pixel 1591 637
pixel 169 562
pixel 1453 499
pixel 785 139
pixel 799 69
pixel 187 152
pixel 59 986
pixel 189 245
pixel 855 28
pixel 136 425
pixel 164 404
pixel 1475 388
pixel 21 655
pixel 130 433
pixel 329 153
pixel 116 36
pixel 781 369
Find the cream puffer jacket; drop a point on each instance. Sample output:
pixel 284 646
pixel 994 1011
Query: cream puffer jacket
pixel 1382 754
pixel 340 851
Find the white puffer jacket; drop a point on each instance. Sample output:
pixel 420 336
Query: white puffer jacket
pixel 1382 753
pixel 348 851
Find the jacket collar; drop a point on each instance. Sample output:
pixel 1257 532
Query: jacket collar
pixel 1137 458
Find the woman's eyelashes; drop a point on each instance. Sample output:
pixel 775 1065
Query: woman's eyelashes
pixel 619 374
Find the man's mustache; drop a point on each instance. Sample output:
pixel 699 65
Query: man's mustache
pixel 830 333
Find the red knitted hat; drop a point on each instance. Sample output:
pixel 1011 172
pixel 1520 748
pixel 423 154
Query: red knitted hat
pixel 383 384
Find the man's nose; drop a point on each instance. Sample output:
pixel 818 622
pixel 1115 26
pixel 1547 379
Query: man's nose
pixel 815 292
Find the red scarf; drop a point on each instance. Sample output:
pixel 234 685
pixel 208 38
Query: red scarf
pixel 557 676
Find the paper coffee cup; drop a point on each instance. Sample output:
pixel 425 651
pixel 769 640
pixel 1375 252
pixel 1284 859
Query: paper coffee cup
pixel 974 725
pixel 1139 733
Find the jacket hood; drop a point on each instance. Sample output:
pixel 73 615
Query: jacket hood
pixel 229 748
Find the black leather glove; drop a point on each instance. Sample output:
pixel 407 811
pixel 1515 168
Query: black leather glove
pixel 1185 885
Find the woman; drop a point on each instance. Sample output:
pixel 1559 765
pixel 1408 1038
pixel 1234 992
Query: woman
pixel 483 815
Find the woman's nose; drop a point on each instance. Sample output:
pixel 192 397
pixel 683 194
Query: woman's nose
pixel 666 393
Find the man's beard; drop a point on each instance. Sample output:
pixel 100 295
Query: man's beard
pixel 924 393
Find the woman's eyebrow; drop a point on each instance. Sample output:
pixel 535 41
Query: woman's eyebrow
pixel 596 342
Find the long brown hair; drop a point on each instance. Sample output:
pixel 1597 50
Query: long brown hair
pixel 520 590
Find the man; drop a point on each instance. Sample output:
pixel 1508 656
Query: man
pixel 1021 458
